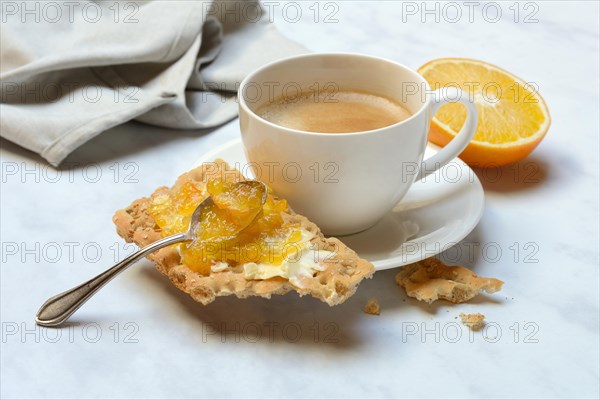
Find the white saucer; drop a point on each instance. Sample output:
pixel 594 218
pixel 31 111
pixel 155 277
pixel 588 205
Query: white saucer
pixel 435 214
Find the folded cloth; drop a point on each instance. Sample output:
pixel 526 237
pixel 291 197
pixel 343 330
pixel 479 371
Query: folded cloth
pixel 70 70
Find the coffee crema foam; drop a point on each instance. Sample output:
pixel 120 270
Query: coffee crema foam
pixel 339 112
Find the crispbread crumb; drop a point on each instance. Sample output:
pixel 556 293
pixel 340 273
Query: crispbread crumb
pixel 430 279
pixel 372 307
pixel 344 270
pixel 473 321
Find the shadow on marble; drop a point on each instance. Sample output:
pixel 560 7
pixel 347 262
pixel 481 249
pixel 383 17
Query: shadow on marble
pixel 525 175
pixel 341 328
pixel 467 252
pixel 442 305
pixel 488 299
pixel 319 324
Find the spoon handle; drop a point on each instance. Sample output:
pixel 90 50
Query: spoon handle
pixel 59 308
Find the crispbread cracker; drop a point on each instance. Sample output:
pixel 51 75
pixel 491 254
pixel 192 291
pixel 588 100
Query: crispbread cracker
pixel 372 307
pixel 334 285
pixel 430 279
pixel 474 321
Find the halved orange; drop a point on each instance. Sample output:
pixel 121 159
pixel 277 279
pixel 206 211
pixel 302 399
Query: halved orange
pixel 513 117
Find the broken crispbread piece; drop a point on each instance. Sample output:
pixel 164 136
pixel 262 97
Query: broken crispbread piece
pixel 430 279
pixel 372 307
pixel 474 321
pixel 341 274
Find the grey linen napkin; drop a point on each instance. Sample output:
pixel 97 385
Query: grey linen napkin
pixel 70 70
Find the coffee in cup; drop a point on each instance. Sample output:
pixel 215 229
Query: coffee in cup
pixel 339 111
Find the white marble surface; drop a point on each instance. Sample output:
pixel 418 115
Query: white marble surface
pixel 155 342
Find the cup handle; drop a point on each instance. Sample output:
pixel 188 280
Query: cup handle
pixel 460 141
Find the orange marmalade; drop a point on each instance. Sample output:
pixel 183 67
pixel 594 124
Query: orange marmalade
pixel 268 239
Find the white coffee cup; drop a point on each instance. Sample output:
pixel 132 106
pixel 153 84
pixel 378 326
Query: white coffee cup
pixel 345 182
